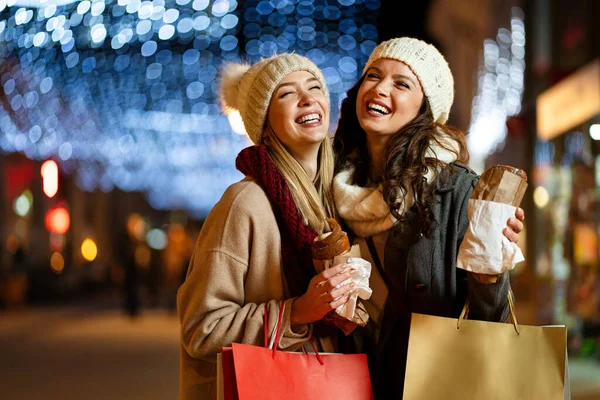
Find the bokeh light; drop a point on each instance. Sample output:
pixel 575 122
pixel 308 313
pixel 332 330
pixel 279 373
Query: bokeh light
pixel 89 250
pixel 541 197
pixel 122 93
pixel 57 263
pixel 157 239
pixel 499 90
pixel 22 204
pixel 58 220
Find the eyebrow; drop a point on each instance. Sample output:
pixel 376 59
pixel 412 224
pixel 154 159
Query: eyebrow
pixel 309 80
pixel 396 76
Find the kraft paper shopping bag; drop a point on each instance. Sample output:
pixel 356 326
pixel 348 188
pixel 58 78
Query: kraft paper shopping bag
pixel 463 359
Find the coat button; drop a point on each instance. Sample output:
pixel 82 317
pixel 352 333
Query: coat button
pixel 420 286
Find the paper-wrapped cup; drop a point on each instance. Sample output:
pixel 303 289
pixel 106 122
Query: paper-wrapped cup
pixel 329 245
pixel 484 249
pixel 332 248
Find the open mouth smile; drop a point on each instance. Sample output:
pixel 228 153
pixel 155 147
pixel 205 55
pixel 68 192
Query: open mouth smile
pixel 378 108
pixel 310 118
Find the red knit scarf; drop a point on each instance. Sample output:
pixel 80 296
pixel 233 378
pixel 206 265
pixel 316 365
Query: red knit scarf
pixel 296 238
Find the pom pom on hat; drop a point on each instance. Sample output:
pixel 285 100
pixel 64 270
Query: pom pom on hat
pixel 248 89
pixel 231 76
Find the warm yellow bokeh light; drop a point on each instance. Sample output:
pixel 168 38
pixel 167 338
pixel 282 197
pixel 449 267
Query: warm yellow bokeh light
pixel 136 226
pixel 57 263
pixel 89 251
pixel 541 197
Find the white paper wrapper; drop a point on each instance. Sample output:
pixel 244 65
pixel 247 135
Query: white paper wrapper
pixel 360 279
pixel 485 249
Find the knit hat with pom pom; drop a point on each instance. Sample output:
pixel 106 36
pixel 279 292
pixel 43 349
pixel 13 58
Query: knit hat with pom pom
pixel 248 88
pixel 430 67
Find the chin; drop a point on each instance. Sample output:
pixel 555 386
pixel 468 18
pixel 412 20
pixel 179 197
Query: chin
pixel 374 133
pixel 317 138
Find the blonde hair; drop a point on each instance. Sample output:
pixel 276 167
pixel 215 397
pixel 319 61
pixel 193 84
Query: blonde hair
pixel 314 200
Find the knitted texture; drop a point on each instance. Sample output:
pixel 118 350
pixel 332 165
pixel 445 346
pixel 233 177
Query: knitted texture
pixel 248 89
pixel 430 67
pixel 365 210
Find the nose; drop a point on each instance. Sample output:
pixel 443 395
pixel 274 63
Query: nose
pixel 307 99
pixel 380 89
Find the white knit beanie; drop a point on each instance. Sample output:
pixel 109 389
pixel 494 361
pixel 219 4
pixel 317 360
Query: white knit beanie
pixel 430 67
pixel 248 88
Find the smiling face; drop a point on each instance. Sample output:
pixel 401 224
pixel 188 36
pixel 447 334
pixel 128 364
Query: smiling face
pixel 388 99
pixel 299 111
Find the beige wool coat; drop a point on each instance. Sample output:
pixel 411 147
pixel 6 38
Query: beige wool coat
pixel 234 273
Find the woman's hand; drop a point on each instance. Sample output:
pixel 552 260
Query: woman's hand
pixel 514 226
pixel 321 296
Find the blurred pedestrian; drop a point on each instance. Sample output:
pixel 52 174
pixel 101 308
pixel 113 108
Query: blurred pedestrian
pixel 126 253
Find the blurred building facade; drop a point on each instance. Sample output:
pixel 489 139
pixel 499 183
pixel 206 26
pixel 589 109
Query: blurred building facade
pixel 554 138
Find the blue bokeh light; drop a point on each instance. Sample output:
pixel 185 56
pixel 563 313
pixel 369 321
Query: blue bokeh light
pixel 123 93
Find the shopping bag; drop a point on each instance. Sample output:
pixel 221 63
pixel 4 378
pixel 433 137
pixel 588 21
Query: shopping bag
pixel 463 359
pixel 268 374
pixel 226 385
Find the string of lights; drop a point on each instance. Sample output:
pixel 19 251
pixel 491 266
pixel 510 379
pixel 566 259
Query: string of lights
pixel 122 93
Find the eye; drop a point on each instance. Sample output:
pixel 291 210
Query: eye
pixel 285 94
pixel 316 87
pixel 403 84
pixel 372 75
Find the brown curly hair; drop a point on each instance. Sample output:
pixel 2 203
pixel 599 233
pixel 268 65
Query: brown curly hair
pixel 405 162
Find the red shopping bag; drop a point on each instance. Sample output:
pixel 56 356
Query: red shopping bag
pixel 254 373
pixel 228 386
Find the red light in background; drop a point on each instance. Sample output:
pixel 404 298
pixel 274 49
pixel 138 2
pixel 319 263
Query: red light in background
pixel 49 173
pixel 58 220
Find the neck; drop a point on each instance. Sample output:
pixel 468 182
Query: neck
pixel 308 159
pixel 376 146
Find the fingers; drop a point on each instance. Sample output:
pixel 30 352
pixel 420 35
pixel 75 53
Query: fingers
pixel 331 277
pixel 338 302
pixel 331 283
pixel 339 292
pixel 520 214
pixel 515 225
pixel 510 235
pixel 331 272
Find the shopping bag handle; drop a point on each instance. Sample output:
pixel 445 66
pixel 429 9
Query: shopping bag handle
pixel 278 331
pixel 277 327
pixel 511 306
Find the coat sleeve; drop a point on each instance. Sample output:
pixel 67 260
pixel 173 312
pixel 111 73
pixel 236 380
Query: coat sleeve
pixel 211 302
pixel 487 302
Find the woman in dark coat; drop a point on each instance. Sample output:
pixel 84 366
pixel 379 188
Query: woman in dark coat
pixel 402 187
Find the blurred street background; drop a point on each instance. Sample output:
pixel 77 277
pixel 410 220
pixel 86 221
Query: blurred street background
pixel 113 149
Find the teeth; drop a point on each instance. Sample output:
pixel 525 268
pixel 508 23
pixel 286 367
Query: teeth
pixel 378 108
pixel 309 118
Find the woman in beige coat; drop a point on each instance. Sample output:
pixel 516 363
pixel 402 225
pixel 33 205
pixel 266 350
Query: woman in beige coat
pixel 254 248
